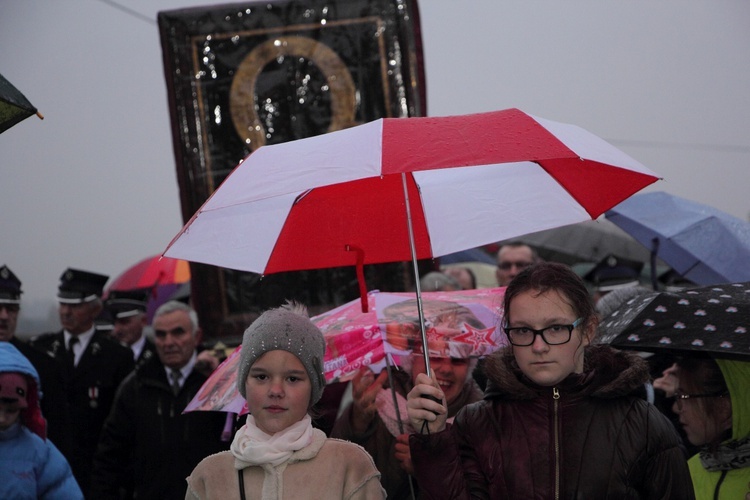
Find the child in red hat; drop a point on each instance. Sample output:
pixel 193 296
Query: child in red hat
pixel 30 465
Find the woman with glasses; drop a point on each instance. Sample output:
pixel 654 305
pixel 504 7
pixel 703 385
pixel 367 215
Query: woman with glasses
pixel 559 417
pixel 713 405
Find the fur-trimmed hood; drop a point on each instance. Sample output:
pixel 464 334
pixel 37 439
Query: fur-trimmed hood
pixel 607 373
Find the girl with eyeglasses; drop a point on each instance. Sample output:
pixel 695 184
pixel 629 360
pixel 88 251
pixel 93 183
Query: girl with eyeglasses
pixel 713 405
pixel 560 418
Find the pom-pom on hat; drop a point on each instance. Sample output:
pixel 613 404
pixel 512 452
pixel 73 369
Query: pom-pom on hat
pixel 287 328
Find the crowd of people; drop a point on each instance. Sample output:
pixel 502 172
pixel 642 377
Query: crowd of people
pixel 96 413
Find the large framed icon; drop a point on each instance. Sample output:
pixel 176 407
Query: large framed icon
pixel 244 75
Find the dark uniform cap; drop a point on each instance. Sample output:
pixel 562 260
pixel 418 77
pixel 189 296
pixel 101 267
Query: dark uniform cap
pixel 672 281
pixel 10 287
pixel 126 303
pixel 614 272
pixel 78 286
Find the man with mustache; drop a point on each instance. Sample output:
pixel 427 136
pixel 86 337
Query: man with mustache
pixel 148 446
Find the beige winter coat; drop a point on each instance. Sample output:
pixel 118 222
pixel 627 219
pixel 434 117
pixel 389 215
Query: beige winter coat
pixel 326 469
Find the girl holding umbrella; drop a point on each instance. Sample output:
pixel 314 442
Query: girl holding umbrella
pixel 559 417
pixel 713 404
pixel 277 453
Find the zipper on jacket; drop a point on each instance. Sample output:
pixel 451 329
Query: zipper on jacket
pixel 556 399
pixel 718 485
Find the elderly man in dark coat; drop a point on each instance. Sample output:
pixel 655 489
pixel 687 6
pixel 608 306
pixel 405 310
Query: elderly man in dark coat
pixel 148 444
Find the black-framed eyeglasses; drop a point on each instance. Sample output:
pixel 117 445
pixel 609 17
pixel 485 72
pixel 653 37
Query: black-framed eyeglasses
pixel 505 266
pixel 680 396
pixel 552 335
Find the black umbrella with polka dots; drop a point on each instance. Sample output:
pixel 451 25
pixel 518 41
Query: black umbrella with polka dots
pixel 713 319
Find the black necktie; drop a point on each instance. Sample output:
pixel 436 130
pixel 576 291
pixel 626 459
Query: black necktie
pixel 175 375
pixel 71 354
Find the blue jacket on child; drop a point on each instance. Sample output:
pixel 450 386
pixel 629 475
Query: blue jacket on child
pixel 30 465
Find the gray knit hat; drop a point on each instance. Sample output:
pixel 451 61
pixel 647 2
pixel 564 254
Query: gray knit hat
pixel 288 329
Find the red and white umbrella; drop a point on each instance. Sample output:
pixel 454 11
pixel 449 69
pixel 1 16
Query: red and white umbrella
pixel 471 179
pixel 405 188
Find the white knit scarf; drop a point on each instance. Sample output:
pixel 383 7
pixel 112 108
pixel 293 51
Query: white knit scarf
pixel 252 446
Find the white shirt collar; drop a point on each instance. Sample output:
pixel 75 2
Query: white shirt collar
pixel 185 370
pixel 83 342
pixel 137 347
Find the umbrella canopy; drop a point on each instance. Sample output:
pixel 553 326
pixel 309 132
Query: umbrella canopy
pixel 152 271
pixel 703 244
pixel 713 319
pixel 14 107
pixel 163 276
pixel 587 241
pixel 460 324
pixel 405 188
pixel 470 180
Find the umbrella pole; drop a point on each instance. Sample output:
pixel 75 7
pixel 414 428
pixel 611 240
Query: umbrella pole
pixel 389 368
pixel 412 246
pixel 654 251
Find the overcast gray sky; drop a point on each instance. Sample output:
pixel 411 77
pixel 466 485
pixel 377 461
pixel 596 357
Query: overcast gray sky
pixel 93 186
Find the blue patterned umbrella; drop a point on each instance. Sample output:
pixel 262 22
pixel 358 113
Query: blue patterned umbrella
pixel 703 244
pixel 713 319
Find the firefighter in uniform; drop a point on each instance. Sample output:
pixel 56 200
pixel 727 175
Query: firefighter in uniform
pixel 128 311
pixel 95 364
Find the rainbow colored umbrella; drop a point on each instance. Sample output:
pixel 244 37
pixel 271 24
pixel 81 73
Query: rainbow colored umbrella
pixel 163 276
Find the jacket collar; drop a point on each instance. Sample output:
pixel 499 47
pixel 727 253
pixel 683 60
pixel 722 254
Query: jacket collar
pixel 607 373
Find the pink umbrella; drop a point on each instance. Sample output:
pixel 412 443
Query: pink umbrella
pixel 460 324
pixel 406 188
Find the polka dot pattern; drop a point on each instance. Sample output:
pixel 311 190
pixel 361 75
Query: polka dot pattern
pixel 712 319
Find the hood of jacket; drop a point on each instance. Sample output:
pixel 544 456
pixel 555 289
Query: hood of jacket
pixel 607 373
pixel 11 360
pixel 737 377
